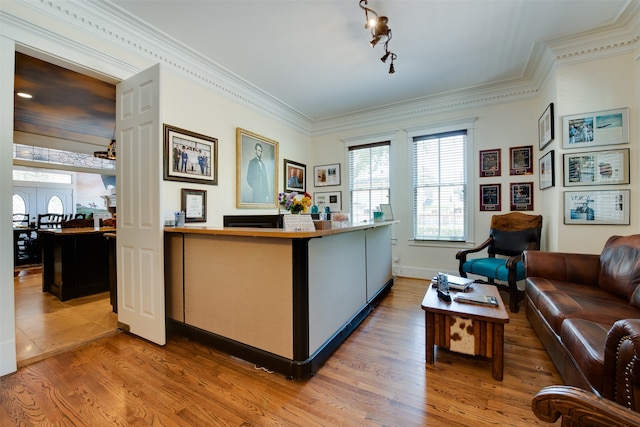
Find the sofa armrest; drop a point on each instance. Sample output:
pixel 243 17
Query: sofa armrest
pixel 582 269
pixel 579 407
pixel 622 363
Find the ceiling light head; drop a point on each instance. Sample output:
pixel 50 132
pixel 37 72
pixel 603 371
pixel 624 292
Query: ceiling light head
pixel 24 95
pixel 385 56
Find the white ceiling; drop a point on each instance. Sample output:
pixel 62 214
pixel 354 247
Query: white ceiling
pixel 314 55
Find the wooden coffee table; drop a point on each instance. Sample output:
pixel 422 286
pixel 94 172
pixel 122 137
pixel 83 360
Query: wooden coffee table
pixel 466 328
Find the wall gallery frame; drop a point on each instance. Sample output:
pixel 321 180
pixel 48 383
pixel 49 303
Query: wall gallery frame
pixel 190 156
pixel 490 163
pixel 194 205
pixel 596 207
pixel 607 127
pixel 547 174
pixel 326 175
pixel 333 199
pixel 521 160
pixel 256 170
pixel 521 196
pixel 295 178
pixel 490 196
pixel 596 168
pixel 546 127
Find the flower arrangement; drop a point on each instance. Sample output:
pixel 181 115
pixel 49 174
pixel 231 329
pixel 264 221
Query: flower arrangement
pixel 295 202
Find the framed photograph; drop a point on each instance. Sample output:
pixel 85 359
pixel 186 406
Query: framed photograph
pixel 256 171
pixel 295 176
pixel 333 199
pixel 547 170
pixel 490 163
pixel 387 211
pixel 596 168
pixel 189 156
pixel 545 127
pixel 607 127
pixel 521 196
pixel 194 205
pixel 490 197
pixel 326 175
pixel 596 207
pixel 521 160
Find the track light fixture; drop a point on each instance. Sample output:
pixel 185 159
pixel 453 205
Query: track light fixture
pixel 380 32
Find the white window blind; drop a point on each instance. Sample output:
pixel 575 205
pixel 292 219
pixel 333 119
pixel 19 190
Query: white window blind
pixel 440 186
pixel 369 183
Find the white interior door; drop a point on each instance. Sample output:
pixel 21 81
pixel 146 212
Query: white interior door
pixel 140 249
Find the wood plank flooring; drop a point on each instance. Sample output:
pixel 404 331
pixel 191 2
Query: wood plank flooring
pixel 378 377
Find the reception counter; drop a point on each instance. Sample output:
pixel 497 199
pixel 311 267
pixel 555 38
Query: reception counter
pixel 283 300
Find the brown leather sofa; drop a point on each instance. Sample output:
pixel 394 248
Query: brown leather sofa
pixel 586 311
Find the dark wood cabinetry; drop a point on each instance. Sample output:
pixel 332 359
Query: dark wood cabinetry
pixel 26 249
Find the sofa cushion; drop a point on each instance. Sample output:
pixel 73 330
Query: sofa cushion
pixel 585 340
pixel 620 267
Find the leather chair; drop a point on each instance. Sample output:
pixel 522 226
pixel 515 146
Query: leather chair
pixel 20 220
pixel 49 220
pixel 509 236
pixel 77 223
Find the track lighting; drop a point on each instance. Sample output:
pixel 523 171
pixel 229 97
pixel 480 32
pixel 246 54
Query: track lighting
pixel 380 32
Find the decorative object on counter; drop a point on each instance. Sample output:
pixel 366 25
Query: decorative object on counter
pixel 314 209
pixel 190 156
pixel 295 176
pixel 378 216
pixel 341 219
pixel 385 208
pixel 180 219
pixel 194 205
pixel 295 202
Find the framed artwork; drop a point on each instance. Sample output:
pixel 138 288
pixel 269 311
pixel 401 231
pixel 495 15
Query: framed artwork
pixel 194 205
pixel 295 176
pixel 547 172
pixel 596 168
pixel 596 207
pixel 326 175
pixel 387 211
pixel 256 171
pixel 490 197
pixel 545 127
pixel 521 160
pixel 333 199
pixel 607 127
pixel 490 162
pixel 190 156
pixel 521 196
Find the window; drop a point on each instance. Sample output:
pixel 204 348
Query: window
pixel 19 205
pixel 369 183
pixel 440 191
pixel 55 205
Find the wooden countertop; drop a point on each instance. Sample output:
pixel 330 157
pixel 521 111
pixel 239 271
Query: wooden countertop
pixel 273 232
pixel 75 231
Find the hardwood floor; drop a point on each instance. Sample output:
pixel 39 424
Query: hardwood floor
pixel 378 377
pixel 45 325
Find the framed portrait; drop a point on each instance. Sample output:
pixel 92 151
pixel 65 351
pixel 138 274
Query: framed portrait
pixel 333 199
pixel 326 175
pixel 596 168
pixel 596 207
pixel 521 196
pixel 490 197
pixel 521 160
pixel 194 205
pixel 607 127
pixel 295 176
pixel 490 163
pixel 256 171
pixel 190 156
pixel 547 172
pixel 545 127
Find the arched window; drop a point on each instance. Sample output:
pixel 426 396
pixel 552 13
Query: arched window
pixel 19 206
pixel 55 205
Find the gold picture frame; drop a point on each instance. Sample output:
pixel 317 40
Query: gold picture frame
pixel 256 170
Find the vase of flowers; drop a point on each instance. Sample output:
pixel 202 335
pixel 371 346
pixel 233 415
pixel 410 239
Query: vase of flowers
pixel 294 202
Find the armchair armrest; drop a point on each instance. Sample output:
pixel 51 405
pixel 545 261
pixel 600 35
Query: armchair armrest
pixel 579 407
pixel 515 259
pixel 462 255
pixel 621 363
pixel 583 269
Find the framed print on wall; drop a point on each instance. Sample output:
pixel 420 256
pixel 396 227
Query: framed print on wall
pixel 194 205
pixel 521 196
pixel 333 199
pixel 490 197
pixel 607 127
pixel 295 177
pixel 521 160
pixel 490 163
pixel 596 207
pixel 326 175
pixel 190 156
pixel 545 127
pixel 596 168
pixel 547 172
pixel 256 170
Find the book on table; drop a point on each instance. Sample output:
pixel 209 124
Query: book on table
pixel 477 299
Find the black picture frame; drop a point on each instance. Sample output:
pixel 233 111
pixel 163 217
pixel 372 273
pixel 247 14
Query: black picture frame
pixel 546 128
pixel 194 205
pixel 189 156
pixel 326 175
pixel 490 197
pixel 295 176
pixel 547 174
